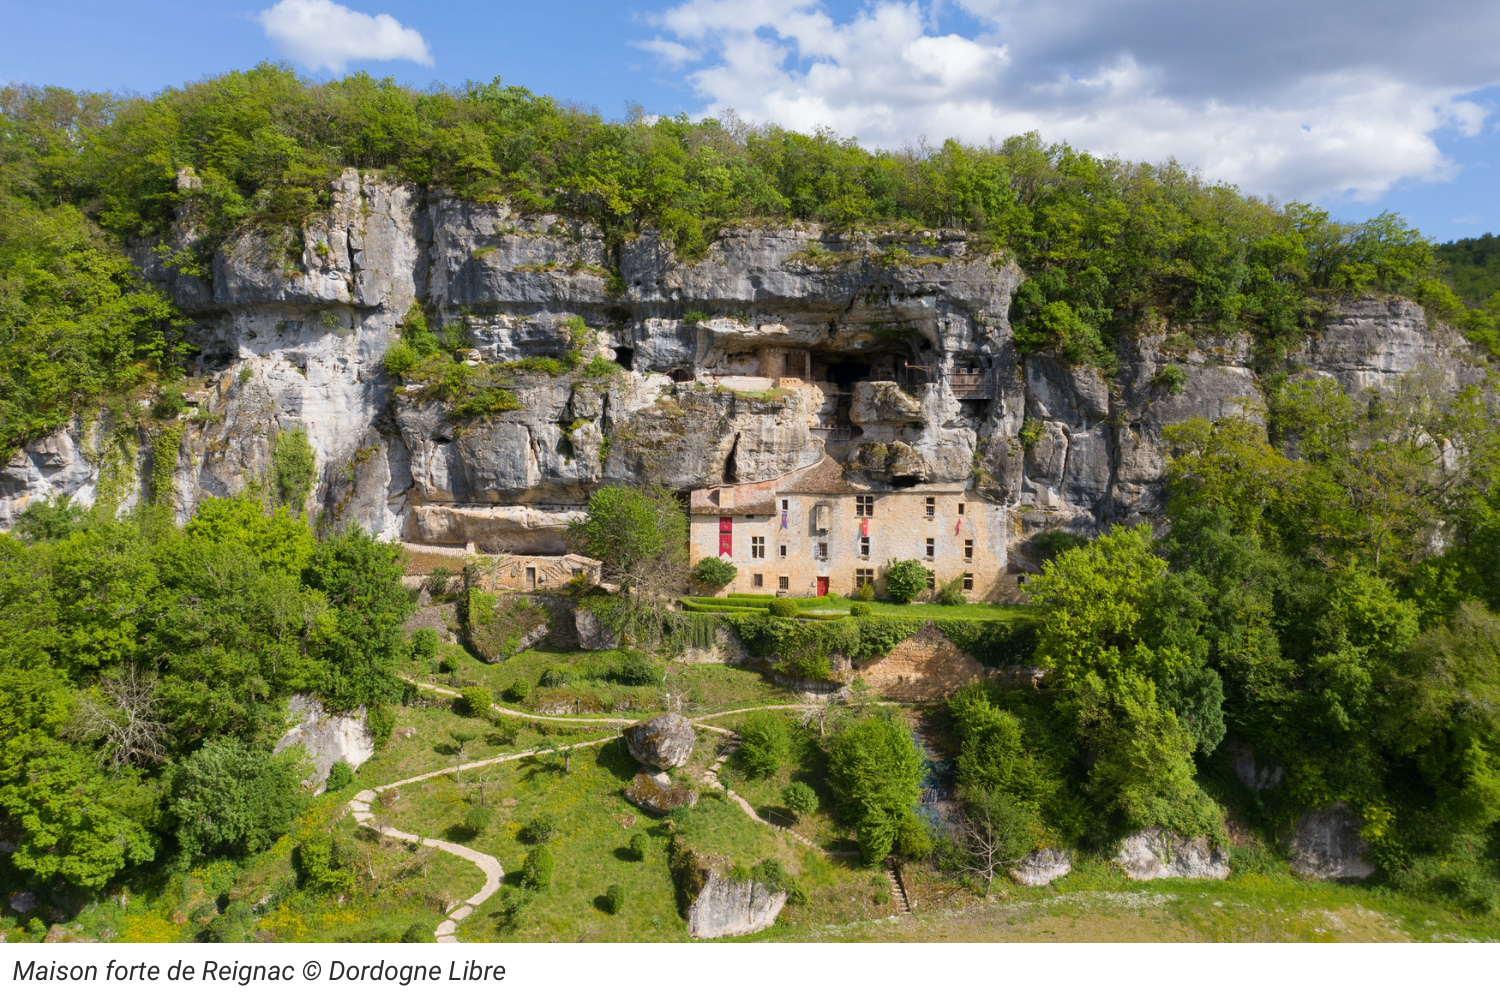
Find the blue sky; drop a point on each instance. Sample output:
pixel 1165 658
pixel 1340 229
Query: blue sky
pixel 1362 107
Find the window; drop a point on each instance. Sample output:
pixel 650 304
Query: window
pixel 864 546
pixel 864 506
pixel 931 506
pixel 931 581
pixel 760 581
pixel 822 550
pixel 757 546
pixel 862 577
pixel 783 551
pixel 931 547
pixel 960 510
pixel 968 548
pixel 783 583
pixel 968 581
pixel 784 507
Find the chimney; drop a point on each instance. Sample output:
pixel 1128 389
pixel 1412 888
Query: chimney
pixel 726 497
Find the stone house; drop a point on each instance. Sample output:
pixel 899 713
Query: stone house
pixel 813 532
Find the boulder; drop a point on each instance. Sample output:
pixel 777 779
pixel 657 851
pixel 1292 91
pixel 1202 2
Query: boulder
pixel 1155 853
pixel 663 742
pixel 1325 844
pixel 592 633
pixel 23 902
pixel 327 738
pixel 656 793
pixel 730 907
pixel 1041 867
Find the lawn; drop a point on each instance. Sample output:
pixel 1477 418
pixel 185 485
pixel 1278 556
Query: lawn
pixel 743 603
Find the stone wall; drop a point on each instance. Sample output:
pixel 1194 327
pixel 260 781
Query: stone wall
pixel 923 667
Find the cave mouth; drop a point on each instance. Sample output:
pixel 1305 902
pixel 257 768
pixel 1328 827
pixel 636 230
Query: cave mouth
pixel 905 482
pixel 731 462
pixel 625 357
pixel 845 373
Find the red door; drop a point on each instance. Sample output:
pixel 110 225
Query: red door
pixel 726 536
pixel 822 586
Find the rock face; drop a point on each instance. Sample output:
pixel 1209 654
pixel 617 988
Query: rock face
pixel 1155 853
pixel 731 907
pixel 1041 867
pixel 1253 774
pixel 327 738
pixel 814 343
pixel 663 742
pixel 1325 844
pixel 656 793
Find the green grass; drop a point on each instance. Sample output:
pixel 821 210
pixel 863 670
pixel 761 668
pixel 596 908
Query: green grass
pixel 831 603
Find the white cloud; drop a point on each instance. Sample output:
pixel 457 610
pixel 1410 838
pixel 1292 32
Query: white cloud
pixel 674 54
pixel 1291 98
pixel 321 34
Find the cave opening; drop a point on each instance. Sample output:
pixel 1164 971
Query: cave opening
pixel 625 357
pixel 845 373
pixel 731 463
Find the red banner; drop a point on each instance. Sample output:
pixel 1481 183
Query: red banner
pixel 726 536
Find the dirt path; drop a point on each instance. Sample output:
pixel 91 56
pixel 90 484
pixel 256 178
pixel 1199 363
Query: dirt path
pixel 447 931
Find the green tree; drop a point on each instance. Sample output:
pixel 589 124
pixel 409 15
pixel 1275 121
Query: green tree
pixel 765 743
pixel 714 573
pixel 227 798
pixel 800 798
pixel 875 768
pixel 536 870
pixel 905 580
pixel 639 534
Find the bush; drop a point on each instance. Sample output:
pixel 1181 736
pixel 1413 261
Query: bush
pixel 474 702
pixel 800 798
pixel 518 690
pixel 318 864
pixel 478 819
pixel 635 668
pixel 905 580
pixel 866 592
pixel 536 870
pixel 416 934
pixel 876 769
pixel 230 799
pixel 538 830
pixel 614 898
pixel 555 678
pixel 953 593
pixel 913 838
pixel 782 607
pixel 859 609
pixel 714 572
pixel 765 743
pixel 773 874
pixel 233 925
pixel 506 729
pixel 439 580
pixel 340 776
pixel 424 643
pixel 639 845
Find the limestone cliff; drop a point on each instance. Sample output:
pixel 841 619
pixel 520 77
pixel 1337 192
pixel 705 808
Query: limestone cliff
pixel 892 353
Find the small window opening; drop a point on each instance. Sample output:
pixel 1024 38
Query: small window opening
pixel 757 546
pixel 822 550
pixel 760 581
pixel 960 509
pixel 783 583
pixel 931 506
pixel 968 548
pixel 783 551
pixel 968 581
pixel 864 546
pixel 864 506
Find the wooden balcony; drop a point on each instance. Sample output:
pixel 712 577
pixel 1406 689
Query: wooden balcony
pixel 971 383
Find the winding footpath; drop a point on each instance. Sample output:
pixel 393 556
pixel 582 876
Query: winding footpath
pixel 494 875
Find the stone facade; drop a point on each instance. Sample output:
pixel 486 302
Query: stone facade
pixel 838 533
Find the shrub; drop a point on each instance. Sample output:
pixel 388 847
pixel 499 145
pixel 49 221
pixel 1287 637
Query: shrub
pixel 774 876
pixel 536 870
pixel 424 643
pixel 765 743
pixel 439 580
pixel 340 776
pixel 953 593
pixel 635 669
pixel 228 798
pixel 904 580
pixel 913 838
pixel 318 864
pixel 400 359
pixel 859 609
pixel 639 845
pixel 416 934
pixel 538 830
pixel 714 572
pixel 800 798
pixel 478 818
pixel 1172 378
pixel 866 592
pixel 782 607
pixel 614 898
pixel 552 677
pixel 474 702
pixel 518 690
pixel 380 720
pixel 506 730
